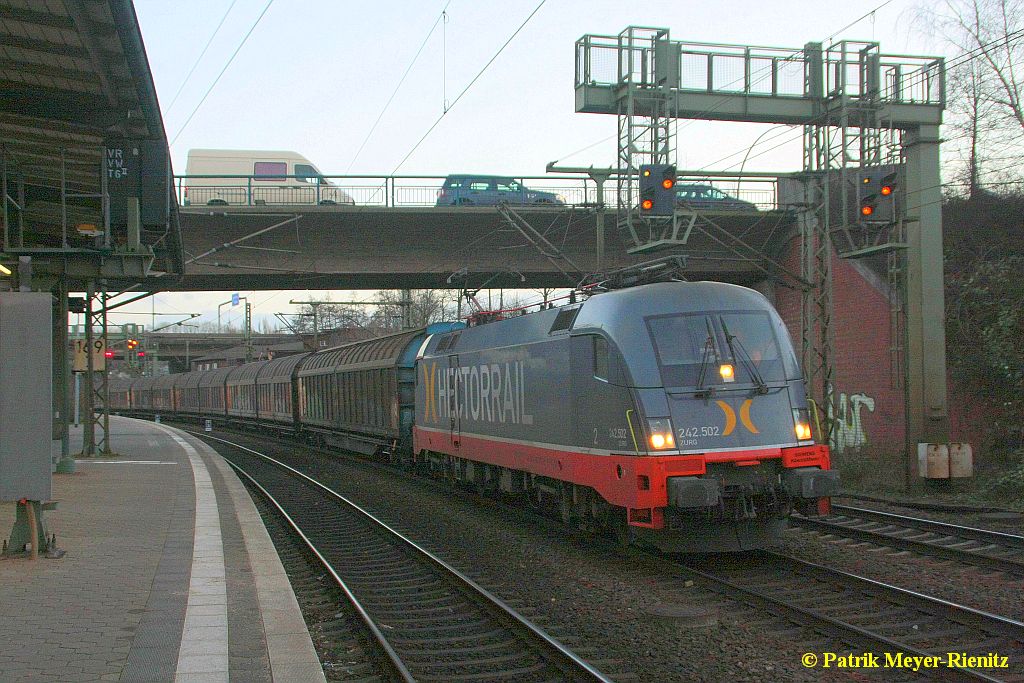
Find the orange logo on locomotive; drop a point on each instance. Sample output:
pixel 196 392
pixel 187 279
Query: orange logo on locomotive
pixel 430 395
pixel 730 417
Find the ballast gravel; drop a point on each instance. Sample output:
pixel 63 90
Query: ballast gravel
pixel 634 616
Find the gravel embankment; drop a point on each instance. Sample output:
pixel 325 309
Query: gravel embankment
pixel 964 584
pixel 1006 522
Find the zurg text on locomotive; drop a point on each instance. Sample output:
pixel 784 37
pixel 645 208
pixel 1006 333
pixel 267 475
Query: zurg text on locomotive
pixel 494 392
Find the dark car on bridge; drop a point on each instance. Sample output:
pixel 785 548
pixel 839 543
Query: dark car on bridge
pixel 486 190
pixel 708 198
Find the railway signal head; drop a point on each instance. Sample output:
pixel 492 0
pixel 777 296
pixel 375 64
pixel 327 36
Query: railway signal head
pixel 657 189
pixel 877 189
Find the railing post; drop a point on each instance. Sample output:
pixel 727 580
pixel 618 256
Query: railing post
pixel 746 71
pixel 248 191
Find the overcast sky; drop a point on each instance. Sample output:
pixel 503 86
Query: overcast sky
pixel 314 75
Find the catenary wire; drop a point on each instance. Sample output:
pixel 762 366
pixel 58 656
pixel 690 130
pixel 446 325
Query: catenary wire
pixel 387 104
pixel 200 57
pixel 466 89
pixel 217 80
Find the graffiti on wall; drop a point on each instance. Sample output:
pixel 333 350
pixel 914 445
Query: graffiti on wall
pixel 847 423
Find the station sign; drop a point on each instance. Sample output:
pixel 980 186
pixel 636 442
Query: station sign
pixel 81 360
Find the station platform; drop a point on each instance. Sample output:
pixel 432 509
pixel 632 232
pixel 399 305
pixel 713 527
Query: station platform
pixel 169 575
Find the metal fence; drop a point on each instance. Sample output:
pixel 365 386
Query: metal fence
pixel 425 191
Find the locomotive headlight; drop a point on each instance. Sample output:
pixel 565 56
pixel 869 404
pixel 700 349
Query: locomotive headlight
pixel 728 372
pixel 660 431
pixel 802 424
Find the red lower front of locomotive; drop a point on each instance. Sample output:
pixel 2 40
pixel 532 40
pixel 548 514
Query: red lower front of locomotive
pixel 717 501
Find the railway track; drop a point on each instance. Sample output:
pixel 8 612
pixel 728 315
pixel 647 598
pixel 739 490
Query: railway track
pixel 848 610
pixel 431 622
pixel 867 614
pixel 966 545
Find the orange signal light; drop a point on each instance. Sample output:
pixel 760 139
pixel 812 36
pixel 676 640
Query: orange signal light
pixel 886 190
pixel 668 183
pixel 647 204
pixel 866 210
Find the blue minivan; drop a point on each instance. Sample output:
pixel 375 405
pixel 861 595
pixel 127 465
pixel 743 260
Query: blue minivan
pixel 489 190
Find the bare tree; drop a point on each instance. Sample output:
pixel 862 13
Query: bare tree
pixel 971 121
pixel 426 306
pixel 985 83
pixel 329 316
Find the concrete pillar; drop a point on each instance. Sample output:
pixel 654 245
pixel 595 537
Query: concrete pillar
pixel 927 413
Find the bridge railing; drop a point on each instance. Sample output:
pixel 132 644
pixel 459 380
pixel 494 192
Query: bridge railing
pixel 425 191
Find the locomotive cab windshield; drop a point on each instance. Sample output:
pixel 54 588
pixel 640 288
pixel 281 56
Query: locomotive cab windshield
pixel 731 350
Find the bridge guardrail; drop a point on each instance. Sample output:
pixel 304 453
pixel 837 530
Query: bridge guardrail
pixel 423 191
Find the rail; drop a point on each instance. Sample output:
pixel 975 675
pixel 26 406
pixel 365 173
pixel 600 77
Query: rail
pixel 964 545
pixel 441 625
pixel 865 613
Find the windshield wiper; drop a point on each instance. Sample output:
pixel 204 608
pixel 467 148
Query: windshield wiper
pixel 709 350
pixel 748 363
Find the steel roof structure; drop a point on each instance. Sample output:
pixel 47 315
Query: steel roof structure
pixel 73 78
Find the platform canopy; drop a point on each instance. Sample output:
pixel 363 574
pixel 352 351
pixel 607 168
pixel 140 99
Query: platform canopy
pixel 74 83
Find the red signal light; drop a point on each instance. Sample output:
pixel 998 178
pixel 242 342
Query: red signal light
pixel 108 354
pixel 141 354
pixel 668 183
pixel 647 204
pixel 867 210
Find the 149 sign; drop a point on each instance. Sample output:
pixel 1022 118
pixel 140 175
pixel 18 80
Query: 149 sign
pixel 99 359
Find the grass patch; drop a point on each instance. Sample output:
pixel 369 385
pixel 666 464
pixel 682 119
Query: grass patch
pixel 998 480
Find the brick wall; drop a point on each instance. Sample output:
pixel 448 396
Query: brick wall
pixel 869 399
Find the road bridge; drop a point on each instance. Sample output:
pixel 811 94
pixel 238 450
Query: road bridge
pixel 376 247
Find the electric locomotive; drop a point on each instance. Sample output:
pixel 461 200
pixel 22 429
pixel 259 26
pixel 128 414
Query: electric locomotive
pixel 672 412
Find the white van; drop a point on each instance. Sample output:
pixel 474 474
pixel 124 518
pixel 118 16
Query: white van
pixel 260 177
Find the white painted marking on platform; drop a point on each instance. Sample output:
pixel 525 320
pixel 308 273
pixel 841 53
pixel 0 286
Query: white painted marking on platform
pixel 126 462
pixel 204 637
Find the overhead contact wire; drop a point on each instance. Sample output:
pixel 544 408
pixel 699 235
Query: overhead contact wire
pixel 217 80
pixel 466 89
pixel 441 17
pixel 200 57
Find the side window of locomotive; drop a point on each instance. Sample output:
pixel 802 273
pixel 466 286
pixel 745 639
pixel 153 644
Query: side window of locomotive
pixel 601 358
pixel 564 320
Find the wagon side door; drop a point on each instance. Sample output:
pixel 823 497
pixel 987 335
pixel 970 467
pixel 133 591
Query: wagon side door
pixel 454 401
